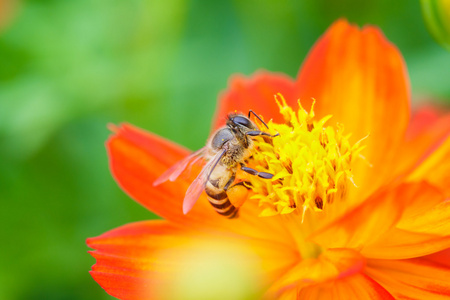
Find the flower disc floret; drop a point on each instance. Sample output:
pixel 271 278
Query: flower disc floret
pixel 311 162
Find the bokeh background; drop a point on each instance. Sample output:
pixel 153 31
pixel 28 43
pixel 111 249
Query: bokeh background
pixel 68 68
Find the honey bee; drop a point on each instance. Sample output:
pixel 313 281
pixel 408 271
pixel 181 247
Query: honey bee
pixel 227 149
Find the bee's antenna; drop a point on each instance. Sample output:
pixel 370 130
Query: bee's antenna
pixel 252 112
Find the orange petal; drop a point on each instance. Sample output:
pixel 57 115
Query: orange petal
pixel 256 93
pixel 433 221
pixel 427 130
pixel 367 222
pixel 412 278
pixel 155 259
pixel 401 244
pixel 423 228
pixel 329 266
pixel 441 257
pixel 360 78
pixel 122 266
pixel 436 168
pixel 137 158
pixel 289 294
pixel 423 197
pixel 358 286
pixel 428 123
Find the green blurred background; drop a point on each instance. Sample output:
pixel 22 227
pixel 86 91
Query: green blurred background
pixel 68 68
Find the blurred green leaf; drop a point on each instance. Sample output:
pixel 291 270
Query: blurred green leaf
pixel 437 17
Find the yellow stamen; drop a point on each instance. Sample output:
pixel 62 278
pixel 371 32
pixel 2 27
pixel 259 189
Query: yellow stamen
pixel 311 163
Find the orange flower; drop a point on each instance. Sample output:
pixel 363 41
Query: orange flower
pixel 360 216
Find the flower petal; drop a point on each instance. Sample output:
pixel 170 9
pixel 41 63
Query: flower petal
pixel 412 279
pixel 367 222
pixel 428 129
pixel 358 286
pixel 286 295
pixel 122 266
pixel 436 168
pixel 364 224
pixel 400 244
pixel 256 93
pixel 441 257
pixel 428 122
pixel 329 266
pixel 422 229
pixel 423 197
pixel 360 78
pixel 156 259
pixel 137 159
pixel 434 221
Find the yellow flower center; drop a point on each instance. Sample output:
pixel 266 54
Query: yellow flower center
pixel 311 163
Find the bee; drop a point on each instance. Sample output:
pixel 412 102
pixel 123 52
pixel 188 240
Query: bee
pixel 227 149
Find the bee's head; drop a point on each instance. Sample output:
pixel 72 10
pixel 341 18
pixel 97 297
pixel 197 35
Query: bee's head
pixel 241 123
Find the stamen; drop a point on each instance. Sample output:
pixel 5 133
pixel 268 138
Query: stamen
pixel 311 162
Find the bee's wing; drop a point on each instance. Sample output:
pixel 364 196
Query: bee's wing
pixel 198 185
pixel 173 172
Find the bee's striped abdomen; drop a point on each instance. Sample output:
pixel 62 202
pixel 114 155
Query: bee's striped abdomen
pixel 221 203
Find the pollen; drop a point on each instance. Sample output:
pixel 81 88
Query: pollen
pixel 310 160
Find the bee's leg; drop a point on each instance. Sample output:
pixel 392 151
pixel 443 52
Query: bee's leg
pixel 258 133
pixel 251 171
pixel 246 184
pixel 225 188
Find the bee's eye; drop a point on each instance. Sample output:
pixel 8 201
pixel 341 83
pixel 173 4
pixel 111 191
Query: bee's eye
pixel 239 120
pixel 221 137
